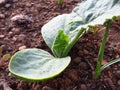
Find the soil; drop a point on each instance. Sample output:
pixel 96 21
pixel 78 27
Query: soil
pixel 20 25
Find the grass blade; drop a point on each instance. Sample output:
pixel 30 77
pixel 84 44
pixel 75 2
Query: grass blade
pixel 110 63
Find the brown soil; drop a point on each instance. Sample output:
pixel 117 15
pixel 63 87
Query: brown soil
pixel 19 34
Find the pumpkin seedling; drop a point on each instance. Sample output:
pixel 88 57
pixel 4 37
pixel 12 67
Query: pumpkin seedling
pixel 3 58
pixel 36 64
pixel 60 35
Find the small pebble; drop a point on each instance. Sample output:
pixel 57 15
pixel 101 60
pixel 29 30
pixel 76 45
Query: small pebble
pixel 21 19
pixel 118 82
pixel 2 2
pixel 7 5
pixel 2 36
pixel 73 75
pixel 22 47
pixel 83 87
pixel 103 62
pixel 16 30
pixel 1 25
pixel 2 16
pixel 83 65
pixel 21 37
pixel 118 46
pixel 5 2
pixel 77 60
pixel 10 34
pixel 14 38
pixel 85 52
pixel 46 88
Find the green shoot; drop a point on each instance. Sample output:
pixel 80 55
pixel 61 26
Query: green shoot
pixel 101 50
pixel 3 58
pixel 59 2
pixel 70 45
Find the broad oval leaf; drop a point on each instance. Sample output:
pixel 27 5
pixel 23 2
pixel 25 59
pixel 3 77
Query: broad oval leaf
pixel 36 65
pixel 89 12
pixel 50 30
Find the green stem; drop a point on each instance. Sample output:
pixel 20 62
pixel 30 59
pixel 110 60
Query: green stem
pixel 59 2
pixel 70 45
pixel 101 50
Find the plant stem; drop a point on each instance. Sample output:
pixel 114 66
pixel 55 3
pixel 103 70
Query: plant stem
pixel 59 2
pixel 101 50
pixel 70 45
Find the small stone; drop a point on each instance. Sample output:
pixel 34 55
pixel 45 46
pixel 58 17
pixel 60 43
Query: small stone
pixel 118 82
pixel 2 16
pixel 7 5
pixel 28 4
pixel 1 25
pixel 2 36
pixel 22 47
pixel 14 38
pixel 16 30
pixel 46 88
pixel 21 37
pixel 83 87
pixel 95 59
pixel 103 62
pixel 85 52
pixel 21 19
pixel 73 75
pixel 15 0
pixel 77 60
pixel 10 33
pixel 83 65
pixel 118 46
pixel 80 52
pixel 4 2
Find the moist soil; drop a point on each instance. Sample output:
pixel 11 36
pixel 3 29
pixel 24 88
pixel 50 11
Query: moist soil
pixel 17 34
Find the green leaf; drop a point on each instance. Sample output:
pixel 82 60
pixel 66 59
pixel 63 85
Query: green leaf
pixel 60 43
pixel 94 12
pixel 102 48
pixel 89 12
pixel 36 65
pixel 6 57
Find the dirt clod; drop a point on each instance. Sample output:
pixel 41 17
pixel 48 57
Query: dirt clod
pixel 118 82
pixel 46 88
pixel 2 16
pixel 21 19
pixel 22 47
pixel 83 87
pixel 2 36
pixel 73 75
